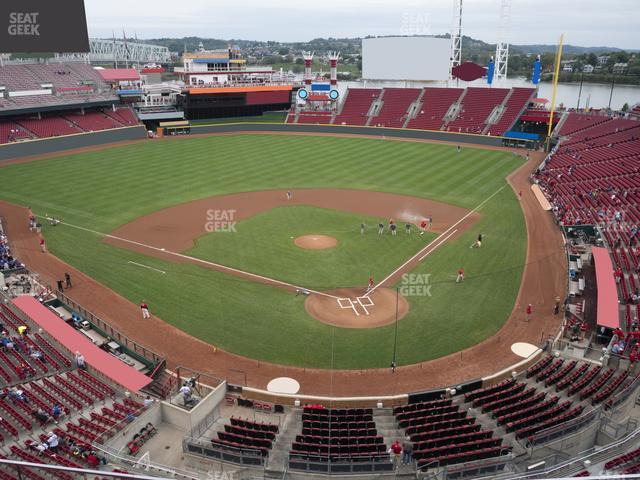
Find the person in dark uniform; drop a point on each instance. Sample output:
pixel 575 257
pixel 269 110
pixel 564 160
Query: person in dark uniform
pixel 380 228
pixel 67 280
pixel 393 228
pixel 362 227
pixel 60 286
pixel 407 228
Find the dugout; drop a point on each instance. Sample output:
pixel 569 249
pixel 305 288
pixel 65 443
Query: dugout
pixel 179 127
pixel 521 140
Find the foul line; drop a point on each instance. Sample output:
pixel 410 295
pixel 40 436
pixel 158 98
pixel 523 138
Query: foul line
pixel 146 266
pixel 197 260
pixel 443 237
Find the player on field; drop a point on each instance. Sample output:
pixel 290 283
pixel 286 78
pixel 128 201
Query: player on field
pixel 423 226
pixel 460 277
pixel 380 228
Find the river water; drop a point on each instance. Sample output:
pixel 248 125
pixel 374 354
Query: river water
pixel 594 95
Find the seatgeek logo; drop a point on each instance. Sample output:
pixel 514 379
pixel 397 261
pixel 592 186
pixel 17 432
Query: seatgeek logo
pixel 24 24
pixel 33 26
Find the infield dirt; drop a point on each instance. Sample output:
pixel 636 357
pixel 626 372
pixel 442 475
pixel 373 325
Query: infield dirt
pixel 544 277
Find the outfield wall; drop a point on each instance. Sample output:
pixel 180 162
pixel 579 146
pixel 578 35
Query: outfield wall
pixel 69 142
pixel 83 140
pixel 462 138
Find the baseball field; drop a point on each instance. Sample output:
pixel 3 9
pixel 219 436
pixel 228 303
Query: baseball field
pixel 185 266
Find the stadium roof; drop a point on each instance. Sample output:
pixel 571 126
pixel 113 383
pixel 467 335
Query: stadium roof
pixel 608 314
pixel 72 340
pixel 119 74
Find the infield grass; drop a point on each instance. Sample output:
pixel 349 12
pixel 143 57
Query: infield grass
pixel 104 189
pixel 265 244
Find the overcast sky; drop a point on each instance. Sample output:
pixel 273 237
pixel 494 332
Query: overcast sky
pixel 612 23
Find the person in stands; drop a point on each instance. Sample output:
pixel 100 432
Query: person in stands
pixel 395 451
pixel 407 451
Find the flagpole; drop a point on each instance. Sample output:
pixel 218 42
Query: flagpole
pixel 555 89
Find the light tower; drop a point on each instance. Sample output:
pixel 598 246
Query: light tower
pixel 333 63
pixel 456 37
pixel 308 62
pixel 502 47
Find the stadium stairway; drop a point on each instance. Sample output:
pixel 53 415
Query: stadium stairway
pixel 453 111
pixel 283 443
pixel 388 426
pixel 414 108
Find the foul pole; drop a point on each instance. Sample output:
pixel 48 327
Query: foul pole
pixel 556 73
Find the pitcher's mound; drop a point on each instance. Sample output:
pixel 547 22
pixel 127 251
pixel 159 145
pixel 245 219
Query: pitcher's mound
pixel 315 242
pixel 354 308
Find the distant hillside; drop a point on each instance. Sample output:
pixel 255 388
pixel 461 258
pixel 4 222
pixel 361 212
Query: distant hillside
pixel 471 46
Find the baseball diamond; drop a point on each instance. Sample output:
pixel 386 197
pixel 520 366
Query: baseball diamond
pixel 367 255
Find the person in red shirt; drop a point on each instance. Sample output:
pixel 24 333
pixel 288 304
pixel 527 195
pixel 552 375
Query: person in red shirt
pixel 423 226
pixel 460 277
pixel 396 451
pixel 370 283
pixel 92 460
pixel 618 274
pixel 43 247
pixel 529 311
pixel 145 309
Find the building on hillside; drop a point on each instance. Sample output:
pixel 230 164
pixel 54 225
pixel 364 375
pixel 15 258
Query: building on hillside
pixel 620 68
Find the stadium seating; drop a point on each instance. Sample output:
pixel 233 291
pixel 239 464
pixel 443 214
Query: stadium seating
pixel 435 104
pixel 339 434
pixel 592 177
pixel 48 126
pixel 477 105
pixel 247 435
pixel 11 132
pixel 516 103
pixel 356 105
pixel 395 103
pixel 576 122
pixel 40 85
pixel 24 128
pixel 124 116
pixel 92 121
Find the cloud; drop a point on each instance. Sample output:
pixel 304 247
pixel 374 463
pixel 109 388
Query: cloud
pixel 584 22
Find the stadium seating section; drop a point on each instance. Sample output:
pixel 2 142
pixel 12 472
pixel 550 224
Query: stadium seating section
pixel 55 84
pixel 356 106
pixel 339 435
pixel 427 109
pixel 395 103
pixel 25 128
pixel 593 177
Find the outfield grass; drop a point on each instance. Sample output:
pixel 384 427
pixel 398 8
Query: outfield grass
pixel 102 190
pixel 264 244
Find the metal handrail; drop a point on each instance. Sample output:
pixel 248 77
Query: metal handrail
pixel 59 468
